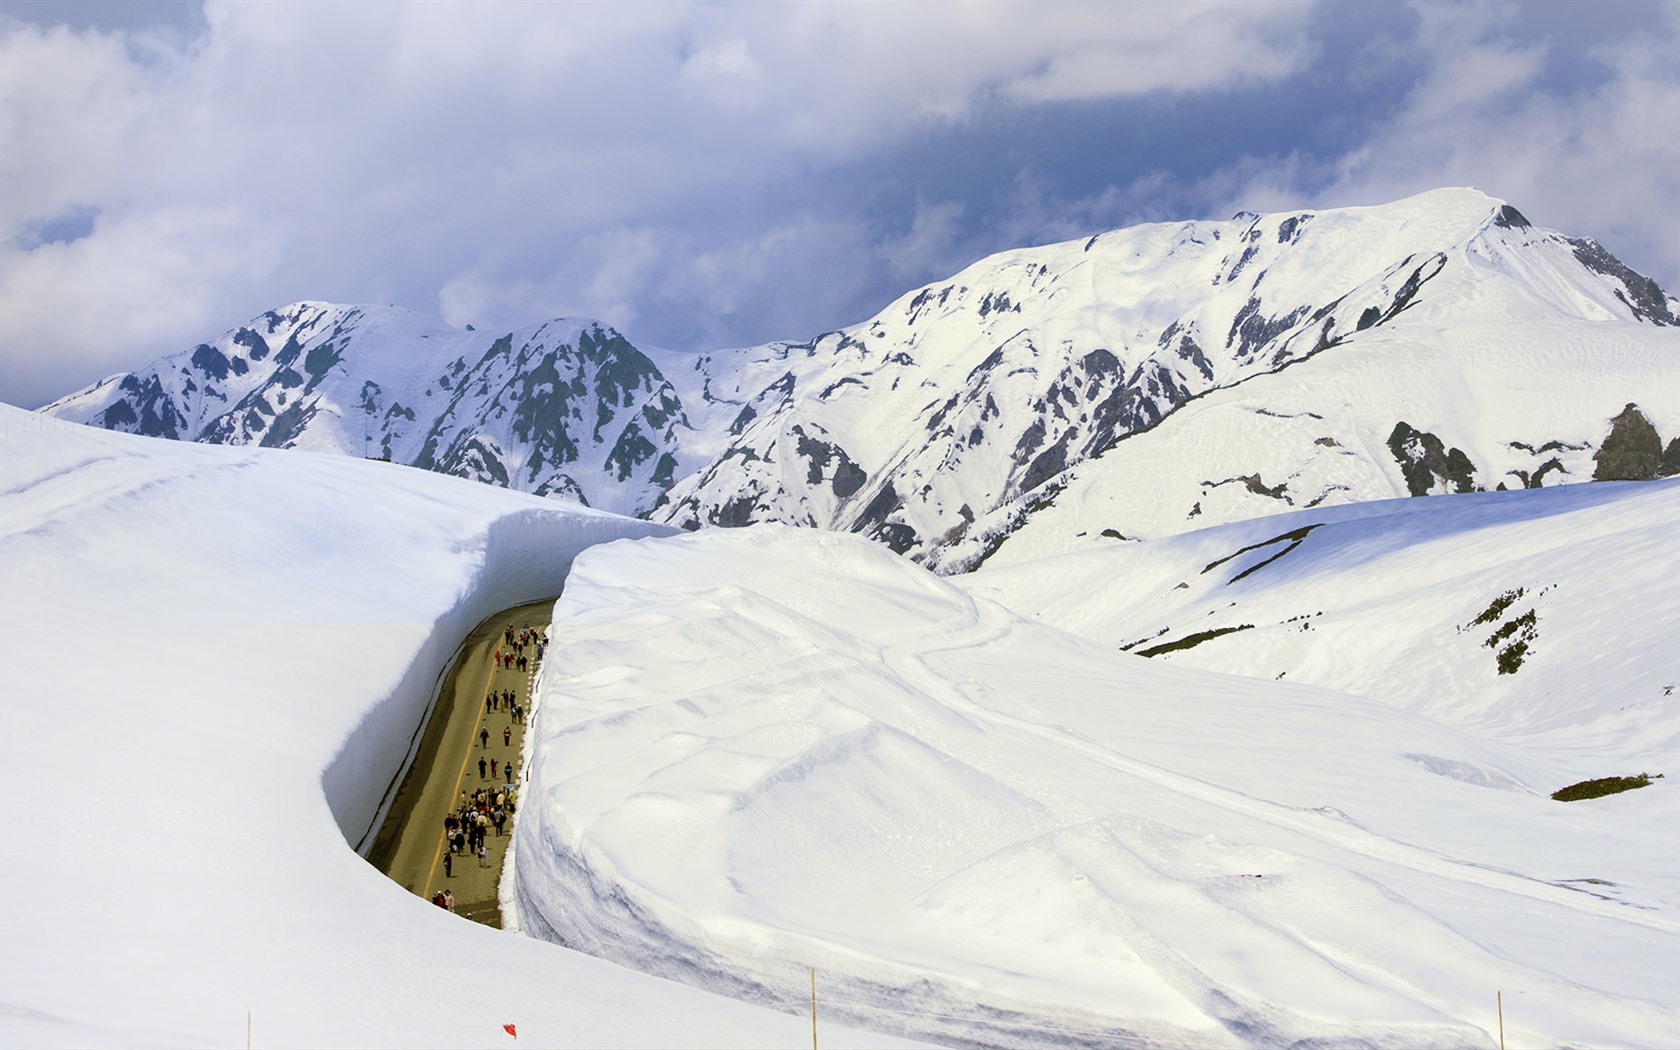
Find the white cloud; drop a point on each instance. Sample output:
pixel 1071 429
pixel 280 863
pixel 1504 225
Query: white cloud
pixel 1599 159
pixel 1104 50
pixel 705 173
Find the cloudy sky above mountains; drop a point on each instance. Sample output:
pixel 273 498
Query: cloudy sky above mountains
pixel 718 174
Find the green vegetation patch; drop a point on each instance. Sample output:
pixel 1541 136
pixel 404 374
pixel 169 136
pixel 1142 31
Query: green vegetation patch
pixel 1192 640
pixel 1601 787
pixel 1511 639
pixel 1497 607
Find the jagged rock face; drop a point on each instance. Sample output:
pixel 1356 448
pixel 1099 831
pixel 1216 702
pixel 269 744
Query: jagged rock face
pixel 962 410
pixel 569 408
pixel 1634 451
pixel 1292 360
pixel 1429 467
pixel 1507 358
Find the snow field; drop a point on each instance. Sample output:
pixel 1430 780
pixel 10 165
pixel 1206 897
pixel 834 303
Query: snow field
pixel 770 750
pixel 214 660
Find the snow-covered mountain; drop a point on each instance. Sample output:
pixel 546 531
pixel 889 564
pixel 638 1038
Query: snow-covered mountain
pixel 1483 352
pixel 568 408
pixel 1133 383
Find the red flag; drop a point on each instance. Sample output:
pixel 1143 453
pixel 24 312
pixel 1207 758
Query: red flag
pixel 509 1030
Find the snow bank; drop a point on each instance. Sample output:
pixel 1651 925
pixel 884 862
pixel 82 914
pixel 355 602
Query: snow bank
pixel 214 662
pixel 768 750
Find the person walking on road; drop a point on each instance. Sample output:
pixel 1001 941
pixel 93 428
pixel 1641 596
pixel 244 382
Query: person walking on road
pixel 484 737
pixel 507 735
pixel 483 856
pixel 481 768
pixel 448 864
pixel 510 772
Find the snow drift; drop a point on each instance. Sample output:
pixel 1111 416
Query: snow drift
pixel 770 749
pixel 214 661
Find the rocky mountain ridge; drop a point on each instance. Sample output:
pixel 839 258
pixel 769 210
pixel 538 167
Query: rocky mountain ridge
pixel 970 407
pixel 569 408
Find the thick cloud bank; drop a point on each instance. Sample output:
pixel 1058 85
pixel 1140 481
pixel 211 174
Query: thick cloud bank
pixel 706 175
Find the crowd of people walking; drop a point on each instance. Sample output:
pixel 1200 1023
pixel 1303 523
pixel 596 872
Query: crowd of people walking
pixel 466 830
pixel 487 810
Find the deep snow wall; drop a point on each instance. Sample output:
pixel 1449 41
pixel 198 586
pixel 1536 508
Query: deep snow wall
pixel 525 556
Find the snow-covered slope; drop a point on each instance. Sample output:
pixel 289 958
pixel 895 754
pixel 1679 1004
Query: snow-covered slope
pixel 1543 618
pixel 568 408
pixel 1437 406
pixel 947 421
pixel 214 659
pixel 774 749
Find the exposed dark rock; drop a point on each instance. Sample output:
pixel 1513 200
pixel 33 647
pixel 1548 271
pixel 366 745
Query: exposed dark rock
pixel 256 347
pixel 1425 461
pixel 1670 459
pixel 630 451
pixel 742 419
pixel 290 352
pixel 118 416
pixel 664 472
pixel 846 478
pixel 1643 296
pixel 896 535
pixel 1413 284
pixel 210 361
pixel 1291 227
pixel 885 503
pixel 288 425
pixel 829 390
pixel 736 513
pixel 1538 478
pixel 1510 218
pixel 1632 451
pixel 1250 329
pixel 1048 463
pixel 1189 351
pixel 997 302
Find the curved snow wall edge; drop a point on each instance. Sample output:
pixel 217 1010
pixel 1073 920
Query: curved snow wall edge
pixel 526 557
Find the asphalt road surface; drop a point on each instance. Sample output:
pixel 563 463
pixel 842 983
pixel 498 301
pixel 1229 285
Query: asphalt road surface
pixel 410 846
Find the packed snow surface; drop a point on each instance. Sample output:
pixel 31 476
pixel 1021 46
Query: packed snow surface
pixel 770 750
pixel 214 662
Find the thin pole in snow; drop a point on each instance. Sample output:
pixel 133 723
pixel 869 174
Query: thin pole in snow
pixel 247 1030
pixel 1499 1000
pixel 814 1009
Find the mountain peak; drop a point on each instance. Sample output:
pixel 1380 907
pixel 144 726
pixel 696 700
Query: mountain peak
pixel 947 421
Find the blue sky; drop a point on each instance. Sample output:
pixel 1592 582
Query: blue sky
pixel 706 175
